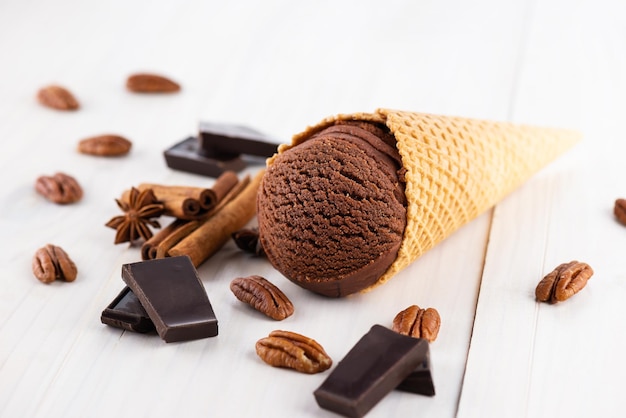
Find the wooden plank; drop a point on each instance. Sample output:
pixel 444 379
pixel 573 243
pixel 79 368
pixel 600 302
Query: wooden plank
pixel 539 360
pixel 503 337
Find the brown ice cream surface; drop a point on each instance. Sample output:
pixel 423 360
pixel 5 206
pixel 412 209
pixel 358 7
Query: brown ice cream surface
pixel 331 210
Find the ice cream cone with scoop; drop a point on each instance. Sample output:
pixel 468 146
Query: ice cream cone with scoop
pixel 358 197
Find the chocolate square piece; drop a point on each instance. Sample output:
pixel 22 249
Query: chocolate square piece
pixel 376 365
pixel 126 312
pixel 187 156
pixel 420 381
pixel 221 139
pixel 173 296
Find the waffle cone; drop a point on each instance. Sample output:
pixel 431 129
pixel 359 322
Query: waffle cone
pixel 456 168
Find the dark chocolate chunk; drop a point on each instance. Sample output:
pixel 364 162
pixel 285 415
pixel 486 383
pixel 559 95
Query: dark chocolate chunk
pixel 247 239
pixel 186 156
pixel 220 139
pixel 377 364
pixel 420 380
pixel 173 296
pixel 126 312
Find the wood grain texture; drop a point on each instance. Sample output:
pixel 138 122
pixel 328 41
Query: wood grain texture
pixel 279 66
pixel 532 359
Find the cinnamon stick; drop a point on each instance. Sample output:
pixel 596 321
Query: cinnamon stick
pixel 178 235
pixel 188 227
pixel 189 202
pixel 149 247
pixel 160 244
pixel 174 204
pixel 175 237
pixel 232 193
pixel 181 202
pixel 223 184
pixel 216 230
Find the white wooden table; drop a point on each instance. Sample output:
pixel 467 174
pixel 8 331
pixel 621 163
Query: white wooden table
pixel 279 66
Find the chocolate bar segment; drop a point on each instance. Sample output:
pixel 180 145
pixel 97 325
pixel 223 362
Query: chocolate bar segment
pixel 420 381
pixel 173 296
pixel 220 139
pixel 187 156
pixel 126 312
pixel 377 364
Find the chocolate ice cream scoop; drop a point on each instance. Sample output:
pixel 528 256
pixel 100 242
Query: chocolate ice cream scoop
pixel 332 210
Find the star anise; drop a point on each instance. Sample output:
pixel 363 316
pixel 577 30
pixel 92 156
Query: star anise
pixel 139 210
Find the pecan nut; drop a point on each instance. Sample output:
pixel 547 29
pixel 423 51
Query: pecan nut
pixel 620 210
pixel 105 146
pixel 418 323
pixel 57 97
pixel 293 351
pixel 563 282
pixel 59 188
pixel 151 83
pixel 51 263
pixel 247 239
pixel 263 296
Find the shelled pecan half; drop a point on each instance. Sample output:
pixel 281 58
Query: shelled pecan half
pixel 151 83
pixel 51 263
pixel 620 210
pixel 57 97
pixel 105 146
pixel 418 323
pixel 563 282
pixel 263 296
pixel 294 351
pixel 59 188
